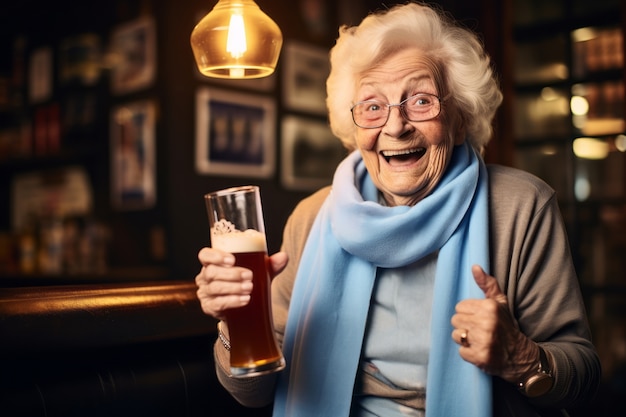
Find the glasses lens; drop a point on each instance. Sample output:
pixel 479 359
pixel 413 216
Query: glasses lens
pixel 370 113
pixel 421 107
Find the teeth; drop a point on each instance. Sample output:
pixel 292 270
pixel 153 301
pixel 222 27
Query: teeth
pixel 389 154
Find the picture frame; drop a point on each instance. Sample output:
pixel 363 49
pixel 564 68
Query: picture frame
pixel 32 191
pixel 133 51
pixel 310 153
pixel 133 156
pixel 235 133
pixel 306 68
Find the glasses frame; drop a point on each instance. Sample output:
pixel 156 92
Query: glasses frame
pixel 400 107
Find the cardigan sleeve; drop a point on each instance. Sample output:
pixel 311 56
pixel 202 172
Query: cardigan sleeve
pixel 532 261
pixel 295 235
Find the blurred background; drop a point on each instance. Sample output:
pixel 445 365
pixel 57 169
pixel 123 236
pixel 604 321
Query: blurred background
pixel 109 135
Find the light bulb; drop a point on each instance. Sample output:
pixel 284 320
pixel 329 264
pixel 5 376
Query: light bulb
pixel 236 41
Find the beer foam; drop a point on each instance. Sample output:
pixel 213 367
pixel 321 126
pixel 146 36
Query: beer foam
pixel 237 242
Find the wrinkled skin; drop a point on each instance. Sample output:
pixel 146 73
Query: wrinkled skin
pixel 405 159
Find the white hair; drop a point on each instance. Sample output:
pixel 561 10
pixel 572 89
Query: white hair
pixel 464 74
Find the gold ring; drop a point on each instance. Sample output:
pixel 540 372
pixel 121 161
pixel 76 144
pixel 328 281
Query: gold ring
pixel 464 341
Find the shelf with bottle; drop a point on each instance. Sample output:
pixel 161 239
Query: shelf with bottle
pixel 569 108
pixel 545 81
pixel 53 102
pixel 63 130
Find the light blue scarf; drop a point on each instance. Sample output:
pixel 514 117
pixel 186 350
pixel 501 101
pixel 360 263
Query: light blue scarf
pixel 352 236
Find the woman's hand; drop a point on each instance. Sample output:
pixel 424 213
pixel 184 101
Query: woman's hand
pixel 489 336
pixel 222 285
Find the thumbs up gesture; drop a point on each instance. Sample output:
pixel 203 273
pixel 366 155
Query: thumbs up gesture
pixel 488 334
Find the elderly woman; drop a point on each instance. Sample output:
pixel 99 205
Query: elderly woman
pixel 422 282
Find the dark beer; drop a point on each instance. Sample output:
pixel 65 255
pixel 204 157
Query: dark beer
pixel 251 330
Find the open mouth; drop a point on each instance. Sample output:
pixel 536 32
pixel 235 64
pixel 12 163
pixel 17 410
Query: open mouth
pixel 404 155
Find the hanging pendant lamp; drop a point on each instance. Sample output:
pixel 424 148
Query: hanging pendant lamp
pixel 236 40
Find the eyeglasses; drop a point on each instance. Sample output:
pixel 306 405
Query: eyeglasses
pixel 371 114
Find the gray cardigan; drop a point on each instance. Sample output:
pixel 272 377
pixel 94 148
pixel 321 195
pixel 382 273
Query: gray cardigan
pixel 531 259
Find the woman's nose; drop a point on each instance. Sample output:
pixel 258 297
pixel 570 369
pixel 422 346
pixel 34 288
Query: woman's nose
pixel 396 122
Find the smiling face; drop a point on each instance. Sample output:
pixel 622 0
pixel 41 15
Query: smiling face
pixel 405 159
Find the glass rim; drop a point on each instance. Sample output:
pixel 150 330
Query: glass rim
pixel 232 190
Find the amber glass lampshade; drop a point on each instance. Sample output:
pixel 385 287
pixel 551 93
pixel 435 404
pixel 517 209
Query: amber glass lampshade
pixel 236 40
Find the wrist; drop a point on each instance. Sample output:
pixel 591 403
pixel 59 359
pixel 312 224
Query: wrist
pixel 541 379
pixel 522 360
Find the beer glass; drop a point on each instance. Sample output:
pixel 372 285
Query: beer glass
pixel 237 226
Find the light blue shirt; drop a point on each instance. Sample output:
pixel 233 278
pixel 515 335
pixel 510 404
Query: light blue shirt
pixel 397 339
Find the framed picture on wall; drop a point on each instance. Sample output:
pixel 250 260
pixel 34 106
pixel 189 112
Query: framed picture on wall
pixel 310 153
pixel 133 156
pixel 133 56
pixel 305 70
pixel 235 133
